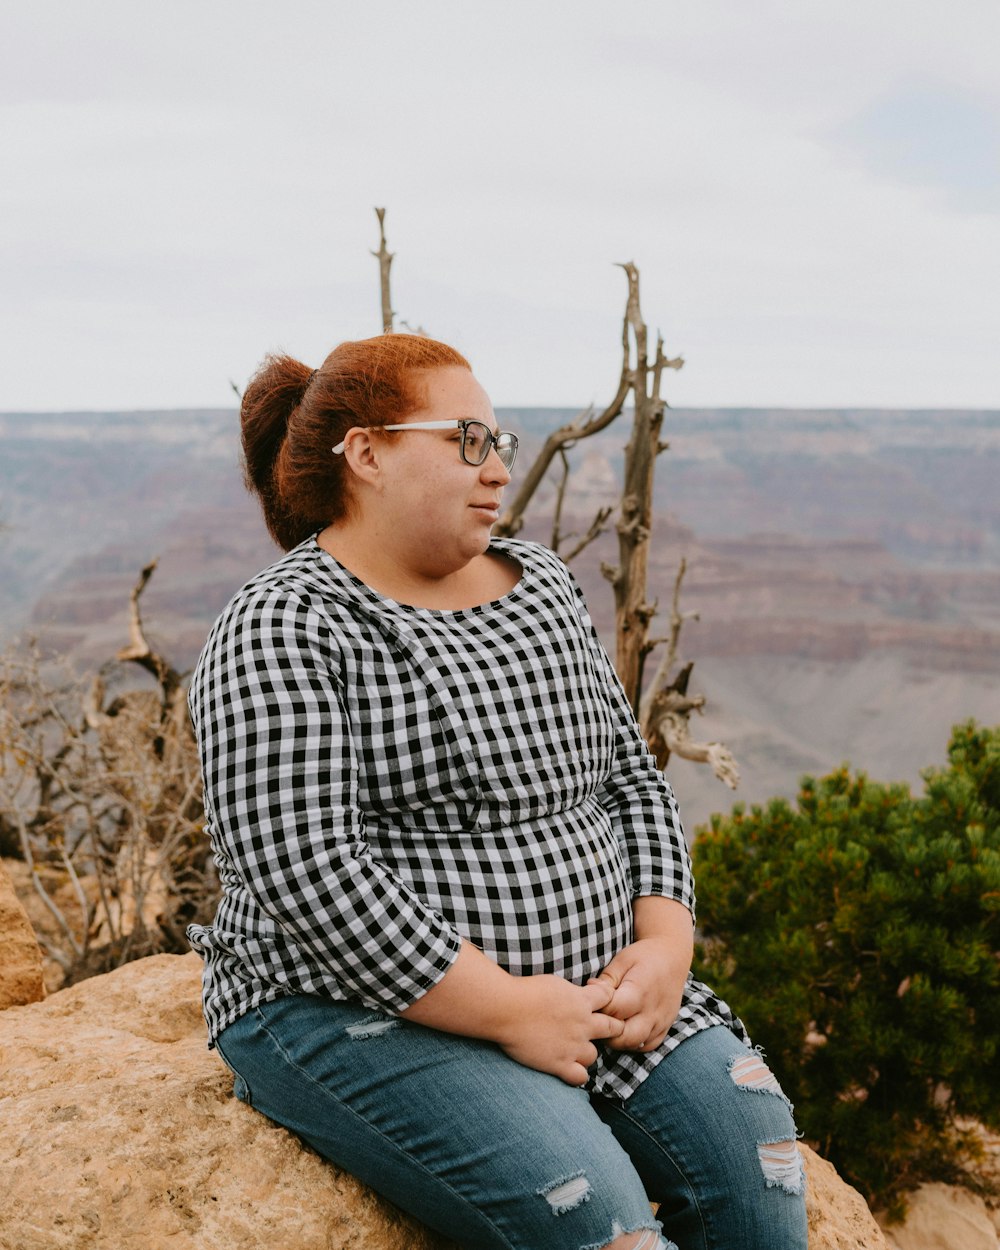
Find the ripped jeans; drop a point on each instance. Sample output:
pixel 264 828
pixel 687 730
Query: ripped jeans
pixel 501 1157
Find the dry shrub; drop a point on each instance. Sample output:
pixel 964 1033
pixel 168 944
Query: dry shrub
pixel 101 797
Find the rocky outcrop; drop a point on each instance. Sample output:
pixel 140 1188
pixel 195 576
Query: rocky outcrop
pixel 839 1218
pixel 119 1133
pixel 21 960
pixel 944 1217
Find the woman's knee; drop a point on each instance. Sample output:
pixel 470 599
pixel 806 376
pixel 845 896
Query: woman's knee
pixel 726 1089
pixel 712 1135
pixel 780 1160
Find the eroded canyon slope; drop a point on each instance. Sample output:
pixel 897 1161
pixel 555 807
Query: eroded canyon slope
pixel 845 563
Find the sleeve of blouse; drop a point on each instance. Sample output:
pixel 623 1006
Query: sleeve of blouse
pixel 638 796
pixel 281 789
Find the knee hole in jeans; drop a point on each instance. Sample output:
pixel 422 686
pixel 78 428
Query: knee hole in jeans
pixel 573 1191
pixel 780 1160
pixel 781 1164
pixel 645 1239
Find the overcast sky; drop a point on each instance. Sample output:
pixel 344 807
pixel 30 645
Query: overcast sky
pixel 811 192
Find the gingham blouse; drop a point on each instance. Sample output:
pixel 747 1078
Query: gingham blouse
pixel 382 781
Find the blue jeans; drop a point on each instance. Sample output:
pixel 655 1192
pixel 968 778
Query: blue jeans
pixel 496 1155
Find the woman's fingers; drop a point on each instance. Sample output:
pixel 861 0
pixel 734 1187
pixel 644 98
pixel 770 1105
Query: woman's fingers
pixel 604 1027
pixel 634 1033
pixel 599 993
pixel 625 1001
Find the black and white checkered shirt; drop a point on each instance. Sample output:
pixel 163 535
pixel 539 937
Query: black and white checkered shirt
pixel 382 781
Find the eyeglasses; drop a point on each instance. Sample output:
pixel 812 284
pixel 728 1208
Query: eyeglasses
pixel 477 439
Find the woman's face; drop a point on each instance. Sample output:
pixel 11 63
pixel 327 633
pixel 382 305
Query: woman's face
pixel 435 509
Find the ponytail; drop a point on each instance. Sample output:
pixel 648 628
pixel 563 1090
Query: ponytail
pixel 276 390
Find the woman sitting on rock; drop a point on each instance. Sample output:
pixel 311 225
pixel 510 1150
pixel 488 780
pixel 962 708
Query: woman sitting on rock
pixel 453 948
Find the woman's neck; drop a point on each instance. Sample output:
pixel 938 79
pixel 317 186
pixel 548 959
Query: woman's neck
pixel 480 579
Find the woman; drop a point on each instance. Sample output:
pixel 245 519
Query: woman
pixel 453 947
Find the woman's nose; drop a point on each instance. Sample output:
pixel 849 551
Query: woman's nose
pixel 494 469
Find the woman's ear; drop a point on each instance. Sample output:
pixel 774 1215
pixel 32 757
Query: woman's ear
pixel 361 454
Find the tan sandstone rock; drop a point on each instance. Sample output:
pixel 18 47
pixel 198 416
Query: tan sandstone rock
pixel 20 958
pixel 944 1217
pixel 839 1218
pixel 119 1133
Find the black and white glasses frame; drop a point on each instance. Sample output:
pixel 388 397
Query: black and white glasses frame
pixel 477 439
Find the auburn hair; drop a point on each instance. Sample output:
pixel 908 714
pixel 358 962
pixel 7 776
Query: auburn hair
pixel 292 416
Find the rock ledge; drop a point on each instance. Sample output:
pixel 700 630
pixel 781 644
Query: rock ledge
pixel 119 1133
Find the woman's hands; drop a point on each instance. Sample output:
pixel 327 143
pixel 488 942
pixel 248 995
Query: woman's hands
pixel 550 1024
pixel 646 990
pixel 555 1024
pixel 544 1022
pixel 647 977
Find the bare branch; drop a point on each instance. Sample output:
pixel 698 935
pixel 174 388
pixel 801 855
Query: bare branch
pixel 140 652
pixel 41 891
pixel 93 704
pixel 675 731
pixel 662 362
pixel 560 496
pixel 138 648
pixel 81 898
pixel 677 619
pixel 598 527
pixel 384 257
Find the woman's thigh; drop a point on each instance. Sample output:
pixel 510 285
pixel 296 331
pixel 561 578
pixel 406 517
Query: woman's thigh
pixel 486 1151
pixel 711 1134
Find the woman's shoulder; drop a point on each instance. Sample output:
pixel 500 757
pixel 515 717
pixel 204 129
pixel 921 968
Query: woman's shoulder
pixel 304 574
pixel 299 588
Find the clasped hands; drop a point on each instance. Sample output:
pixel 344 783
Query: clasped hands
pixel 550 1024
pixel 646 981
pixel 629 1006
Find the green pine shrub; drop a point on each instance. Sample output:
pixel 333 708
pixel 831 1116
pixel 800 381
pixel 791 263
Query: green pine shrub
pixel 858 935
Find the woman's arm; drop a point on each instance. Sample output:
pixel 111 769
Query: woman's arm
pixel 648 976
pixel 636 794
pixel 281 790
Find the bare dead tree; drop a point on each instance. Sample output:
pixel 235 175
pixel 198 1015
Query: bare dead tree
pixel 633 611
pixel 666 708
